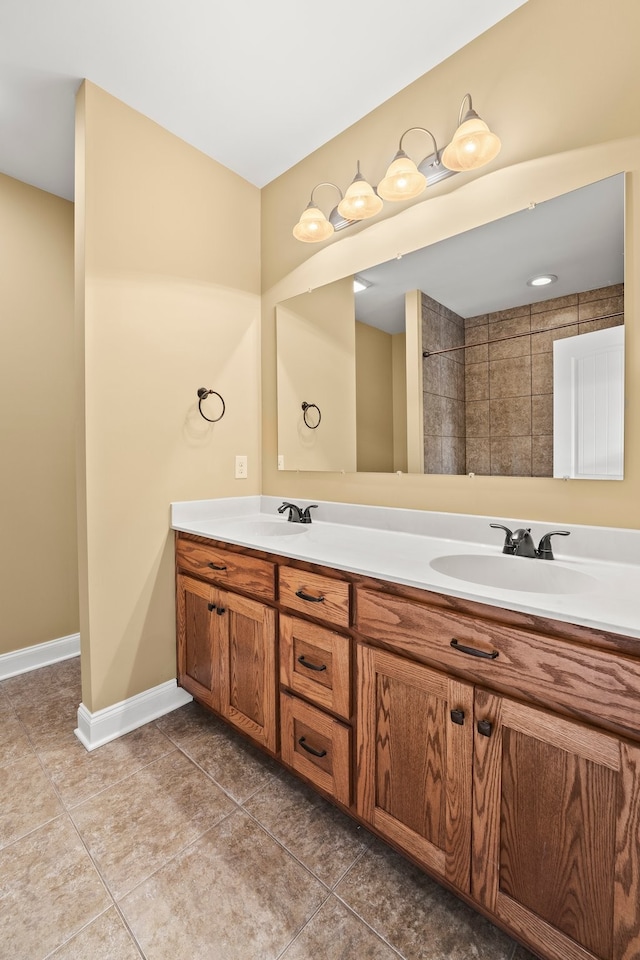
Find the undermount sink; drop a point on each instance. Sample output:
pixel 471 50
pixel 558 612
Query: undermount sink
pixel 514 573
pixel 270 528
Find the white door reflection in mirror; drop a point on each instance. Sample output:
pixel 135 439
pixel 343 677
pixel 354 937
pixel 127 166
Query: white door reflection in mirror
pixel 588 406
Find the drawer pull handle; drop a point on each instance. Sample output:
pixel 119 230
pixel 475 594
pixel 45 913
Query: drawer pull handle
pixel 305 746
pixel 216 566
pixel 311 666
pixel 473 651
pixel 305 596
pixel 485 728
pixel 457 716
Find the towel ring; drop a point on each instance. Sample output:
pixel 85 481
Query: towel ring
pixel 203 393
pixel 311 406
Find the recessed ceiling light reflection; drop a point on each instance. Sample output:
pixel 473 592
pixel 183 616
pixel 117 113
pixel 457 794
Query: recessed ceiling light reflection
pixel 543 280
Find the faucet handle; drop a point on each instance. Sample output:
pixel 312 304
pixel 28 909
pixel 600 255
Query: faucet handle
pixel 544 550
pixel 509 546
pixel 306 516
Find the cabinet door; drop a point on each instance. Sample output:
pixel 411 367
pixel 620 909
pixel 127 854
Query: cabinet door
pixel 415 744
pixel 198 644
pixel 556 831
pixel 248 666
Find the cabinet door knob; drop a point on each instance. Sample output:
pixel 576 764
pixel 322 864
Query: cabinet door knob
pixel 216 566
pixel 485 728
pixel 457 716
pixel 305 596
pixel 311 666
pixel 211 606
pixel 311 750
pixel 220 610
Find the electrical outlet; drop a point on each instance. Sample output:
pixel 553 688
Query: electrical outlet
pixel 280 462
pixel 241 468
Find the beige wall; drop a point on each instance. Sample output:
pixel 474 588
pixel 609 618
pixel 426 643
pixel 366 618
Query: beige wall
pixel 38 562
pixel 316 364
pixel 168 301
pixel 374 398
pixel 560 83
pixel 399 364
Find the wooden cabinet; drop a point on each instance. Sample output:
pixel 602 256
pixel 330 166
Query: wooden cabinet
pixel 198 640
pixel 556 828
pixel 499 750
pixel 555 801
pixel 414 760
pixel 227 656
pixel 315 666
pixel 248 671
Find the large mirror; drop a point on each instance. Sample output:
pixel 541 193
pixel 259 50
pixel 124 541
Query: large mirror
pixel 489 340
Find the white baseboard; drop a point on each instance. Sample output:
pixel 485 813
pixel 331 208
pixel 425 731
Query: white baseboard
pixel 95 729
pixel 40 655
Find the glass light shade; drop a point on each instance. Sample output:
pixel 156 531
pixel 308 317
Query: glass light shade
pixel 359 201
pixel 312 226
pixel 402 180
pixel 472 146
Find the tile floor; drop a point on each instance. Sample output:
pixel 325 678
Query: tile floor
pixel 180 841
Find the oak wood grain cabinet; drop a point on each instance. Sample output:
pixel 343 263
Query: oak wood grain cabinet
pixel 227 656
pixel 552 803
pixel 499 750
pixel 556 828
pixel 415 746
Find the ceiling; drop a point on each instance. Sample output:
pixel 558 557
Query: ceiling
pixel 578 236
pixel 255 85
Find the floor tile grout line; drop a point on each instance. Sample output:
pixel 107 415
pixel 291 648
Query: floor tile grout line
pixel 115 783
pixel 71 806
pixel 217 782
pixel 52 953
pixel 303 927
pixel 106 886
pixel 287 850
pixel 177 854
pixel 379 935
pixel 357 859
pixel 66 811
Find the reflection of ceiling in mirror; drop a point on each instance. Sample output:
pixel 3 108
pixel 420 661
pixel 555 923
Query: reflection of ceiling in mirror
pixel 579 237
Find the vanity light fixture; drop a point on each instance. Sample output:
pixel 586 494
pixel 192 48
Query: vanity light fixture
pixel 473 143
pixel 542 280
pixel 360 200
pixel 403 180
pixel 313 226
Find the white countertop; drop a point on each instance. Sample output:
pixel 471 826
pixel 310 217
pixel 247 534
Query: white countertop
pixel 596 568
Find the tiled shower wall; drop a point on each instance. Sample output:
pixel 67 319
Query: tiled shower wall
pixel 508 386
pixel 443 389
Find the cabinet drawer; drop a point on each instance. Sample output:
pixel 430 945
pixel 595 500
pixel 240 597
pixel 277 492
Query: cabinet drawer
pixel 585 682
pixel 316 746
pixel 317 596
pixel 250 574
pixel 316 663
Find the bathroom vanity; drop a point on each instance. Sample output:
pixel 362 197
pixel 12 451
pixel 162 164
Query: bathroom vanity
pixel 491 734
